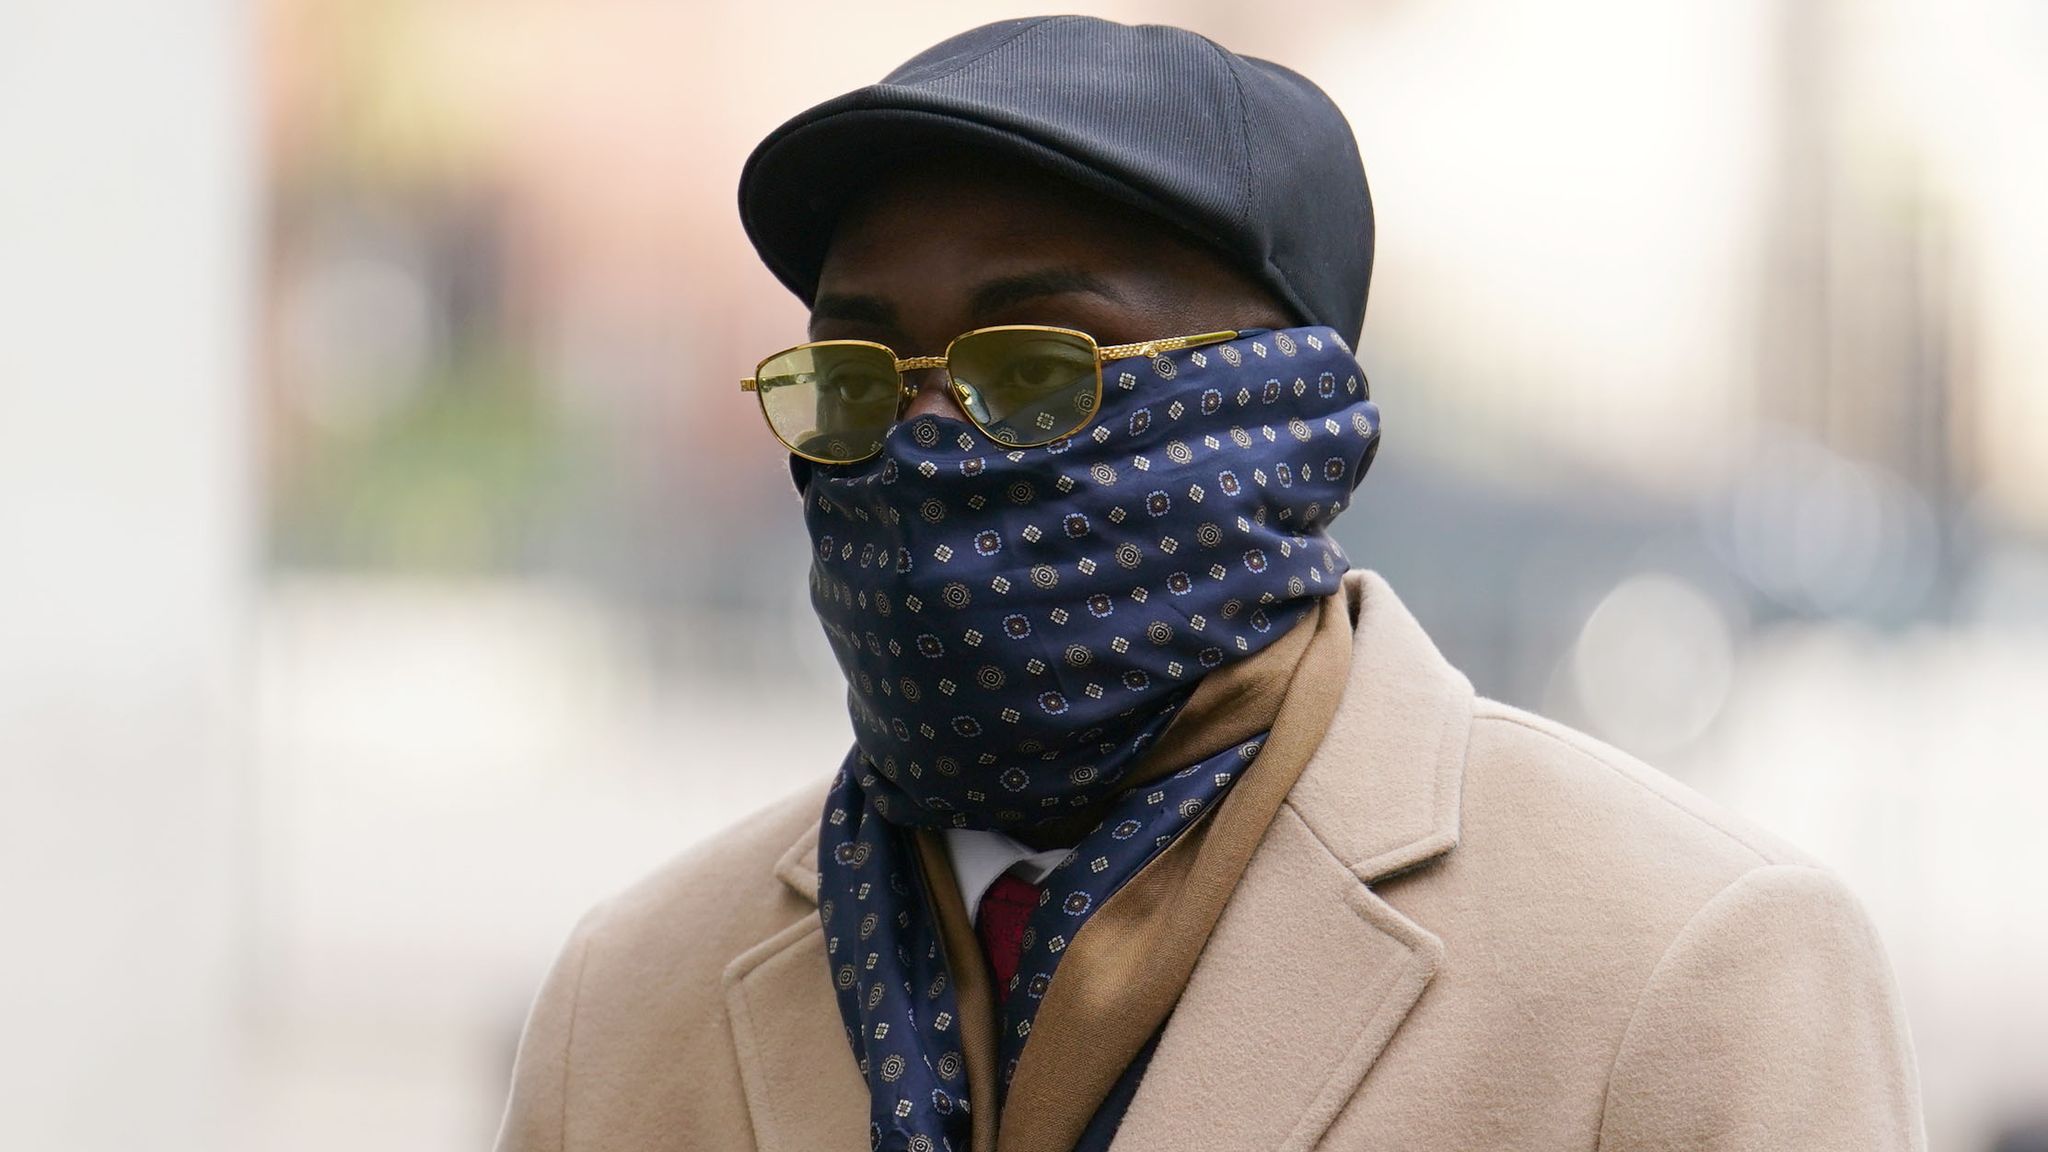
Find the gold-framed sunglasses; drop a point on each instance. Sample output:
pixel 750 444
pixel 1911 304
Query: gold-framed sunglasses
pixel 832 401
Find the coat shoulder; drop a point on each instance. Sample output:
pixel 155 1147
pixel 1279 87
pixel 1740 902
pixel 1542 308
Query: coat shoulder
pixel 1624 812
pixel 1714 978
pixel 1579 860
pixel 631 1019
pixel 1620 962
pixel 703 908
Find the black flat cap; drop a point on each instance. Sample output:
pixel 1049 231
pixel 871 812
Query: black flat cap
pixel 1243 154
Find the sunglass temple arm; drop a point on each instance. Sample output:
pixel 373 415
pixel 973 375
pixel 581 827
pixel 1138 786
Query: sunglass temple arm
pixel 1155 347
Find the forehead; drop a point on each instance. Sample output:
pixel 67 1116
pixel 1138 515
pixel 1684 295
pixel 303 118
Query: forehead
pixel 962 242
pixel 949 222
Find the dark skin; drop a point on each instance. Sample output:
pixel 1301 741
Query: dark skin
pixel 950 247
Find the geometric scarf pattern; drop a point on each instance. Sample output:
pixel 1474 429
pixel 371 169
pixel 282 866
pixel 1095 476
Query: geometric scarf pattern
pixel 1015 626
pixel 889 973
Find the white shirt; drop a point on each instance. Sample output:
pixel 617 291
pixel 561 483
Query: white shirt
pixel 980 859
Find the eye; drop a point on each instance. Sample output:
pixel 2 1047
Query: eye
pixel 1036 372
pixel 1042 366
pixel 857 384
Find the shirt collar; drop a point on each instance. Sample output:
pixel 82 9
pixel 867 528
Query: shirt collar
pixel 980 857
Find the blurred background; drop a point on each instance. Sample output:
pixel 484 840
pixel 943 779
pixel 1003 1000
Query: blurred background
pixel 389 567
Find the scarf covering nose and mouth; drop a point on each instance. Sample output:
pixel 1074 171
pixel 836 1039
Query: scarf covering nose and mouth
pixel 1017 628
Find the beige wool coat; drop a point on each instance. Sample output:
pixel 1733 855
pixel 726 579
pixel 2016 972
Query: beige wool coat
pixel 1467 928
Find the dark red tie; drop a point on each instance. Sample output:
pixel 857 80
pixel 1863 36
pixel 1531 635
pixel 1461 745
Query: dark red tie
pixel 1005 910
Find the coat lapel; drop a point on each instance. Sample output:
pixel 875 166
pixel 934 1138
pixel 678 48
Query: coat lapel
pixel 804 1091
pixel 1309 973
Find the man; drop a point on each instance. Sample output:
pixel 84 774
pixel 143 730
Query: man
pixel 1163 829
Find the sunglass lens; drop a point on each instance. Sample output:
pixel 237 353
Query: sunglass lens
pixel 1034 385
pixel 831 402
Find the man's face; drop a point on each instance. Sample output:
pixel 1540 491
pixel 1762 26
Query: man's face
pixel 943 250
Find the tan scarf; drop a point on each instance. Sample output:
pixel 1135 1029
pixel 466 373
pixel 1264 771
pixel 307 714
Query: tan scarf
pixel 1125 969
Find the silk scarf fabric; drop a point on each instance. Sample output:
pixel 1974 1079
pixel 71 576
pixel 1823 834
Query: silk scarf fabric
pixel 1016 629
pixel 1122 973
pixel 907 1031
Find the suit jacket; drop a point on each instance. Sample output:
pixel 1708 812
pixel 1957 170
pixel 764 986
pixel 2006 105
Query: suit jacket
pixel 1467 928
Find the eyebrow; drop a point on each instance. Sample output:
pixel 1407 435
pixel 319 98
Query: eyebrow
pixel 1009 291
pixel 989 297
pixel 855 309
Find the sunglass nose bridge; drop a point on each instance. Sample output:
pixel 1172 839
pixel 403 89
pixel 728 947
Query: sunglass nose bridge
pixel 928 388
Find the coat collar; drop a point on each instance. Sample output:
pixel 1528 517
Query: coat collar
pixel 1308 973
pixel 798 866
pixel 1382 791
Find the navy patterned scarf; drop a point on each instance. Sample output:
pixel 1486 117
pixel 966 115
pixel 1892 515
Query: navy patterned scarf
pixel 1017 627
